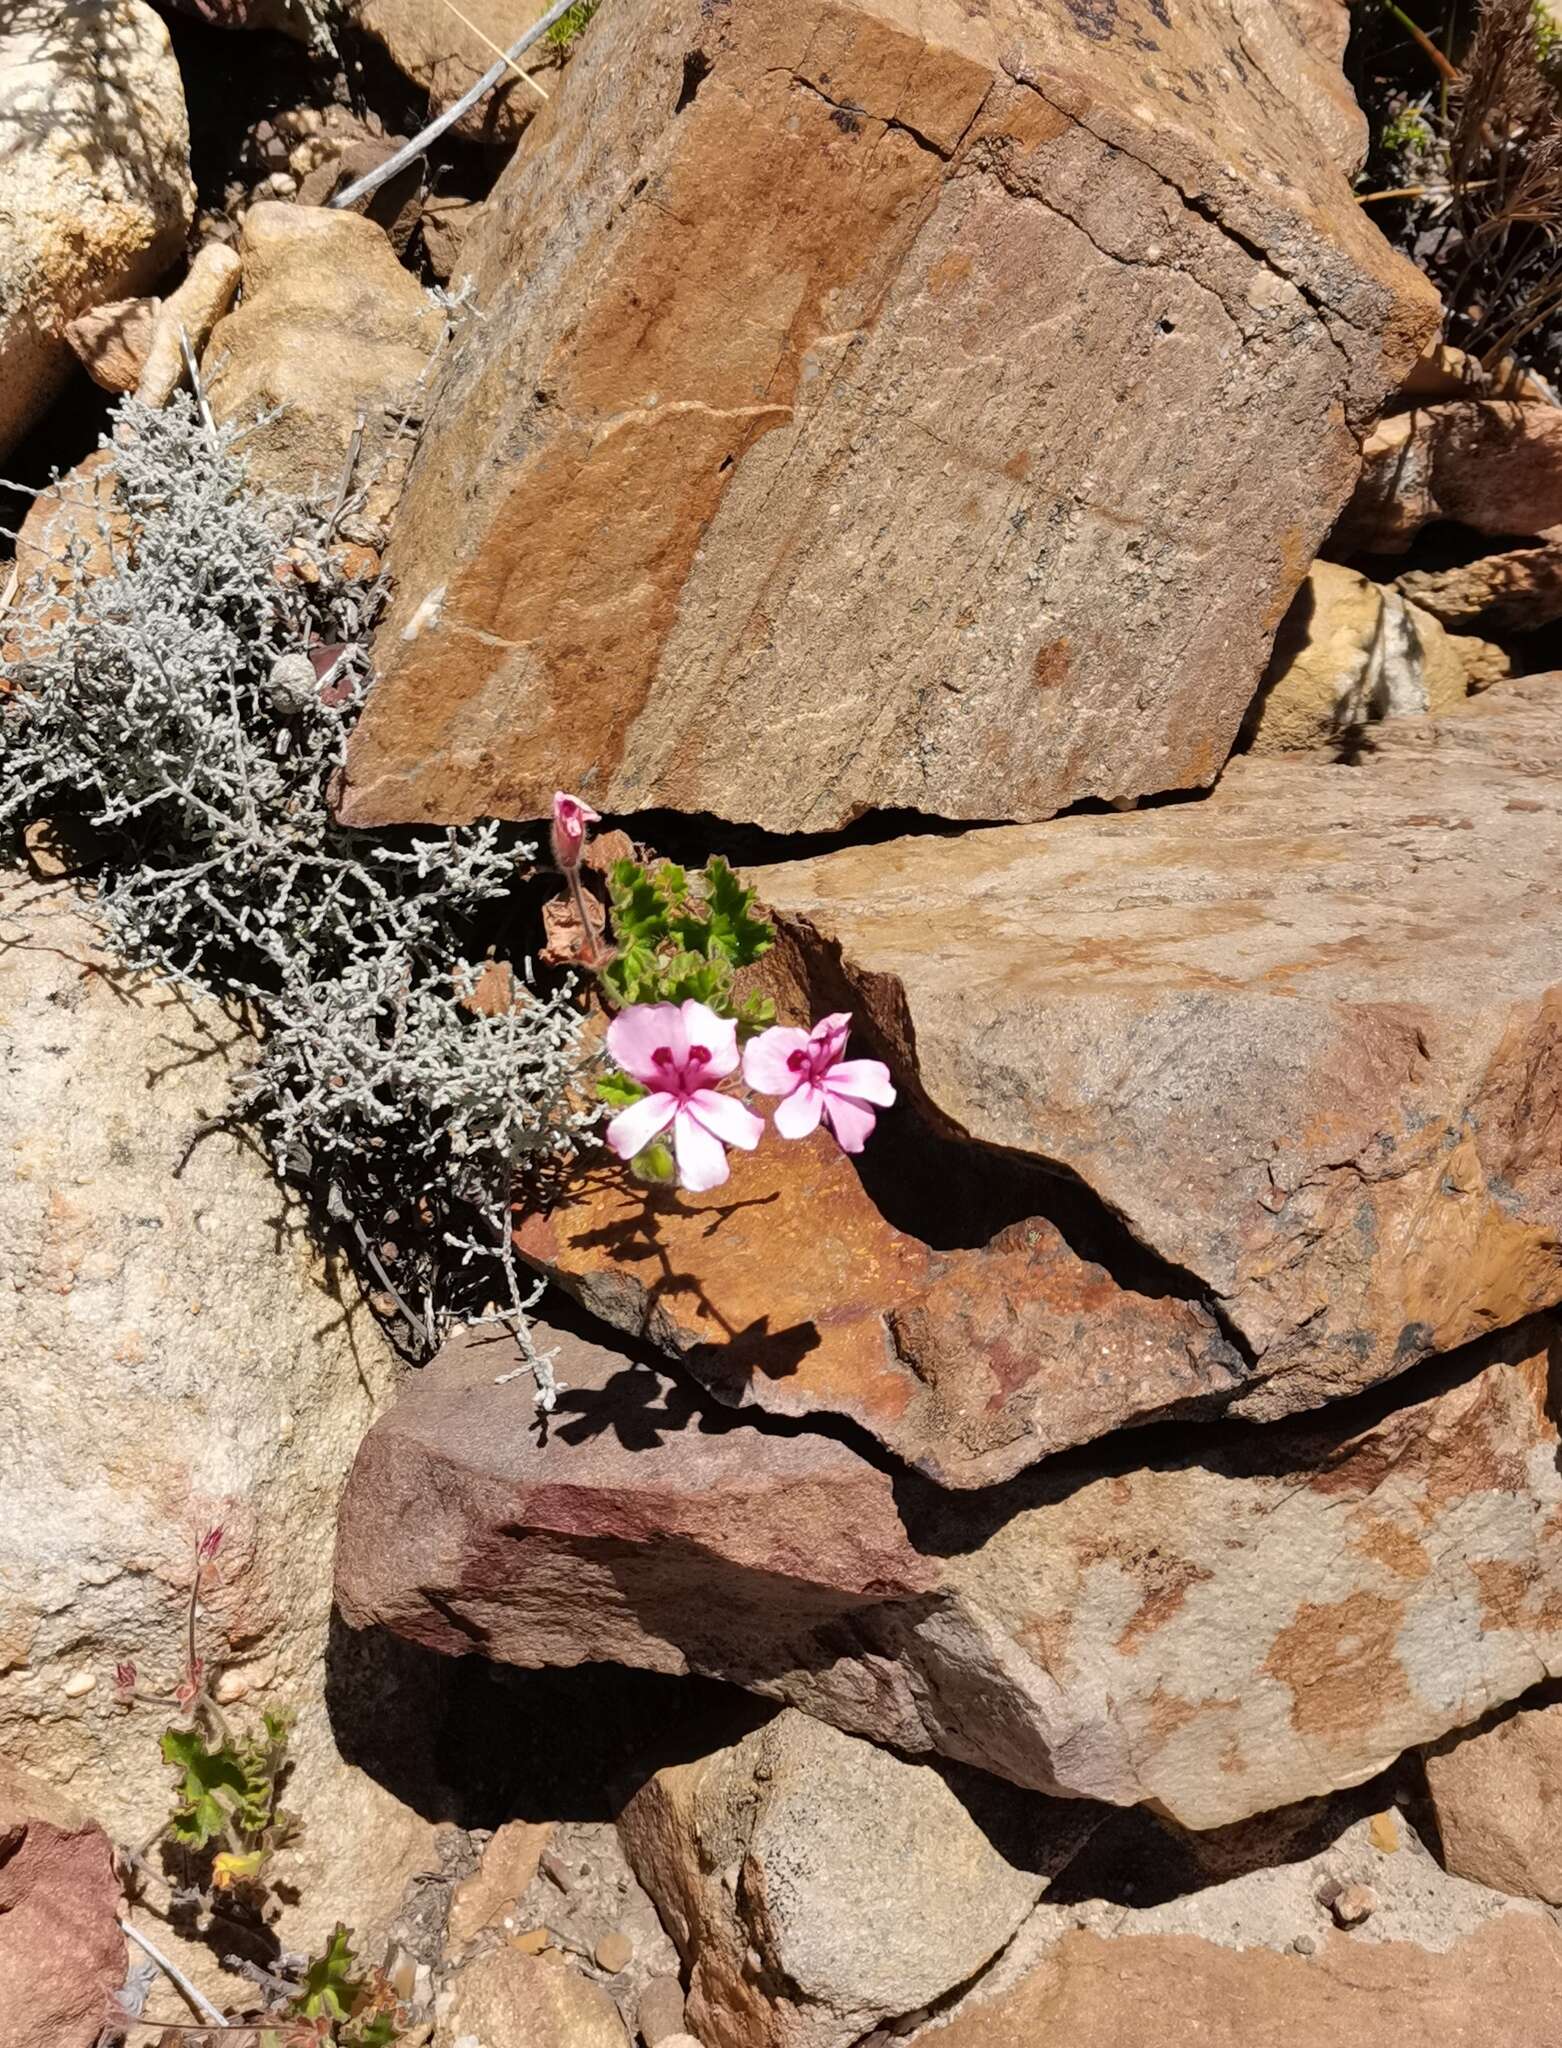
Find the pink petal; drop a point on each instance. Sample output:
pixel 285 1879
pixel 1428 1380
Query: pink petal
pixel 718 1035
pixel 832 1033
pixel 572 812
pixel 701 1161
pixel 765 1059
pixel 851 1121
pixel 726 1119
pixel 798 1113
pixel 634 1128
pixel 638 1033
pixel 868 1080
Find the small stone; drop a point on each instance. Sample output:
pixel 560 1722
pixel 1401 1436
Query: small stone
pixel 1383 1832
pixel 292 685
pixel 45 857
pixel 660 2011
pixel 614 1952
pixel 1306 1944
pixel 533 1941
pixel 79 1684
pixel 1352 1905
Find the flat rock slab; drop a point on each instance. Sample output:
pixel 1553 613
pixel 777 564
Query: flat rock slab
pixel 1303 1038
pixel 875 405
pixel 1230 1626
pixel 786 1289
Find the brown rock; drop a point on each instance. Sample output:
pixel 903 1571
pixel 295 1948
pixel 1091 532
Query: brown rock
pixel 97 193
pixel 1514 592
pixel 446 221
pixel 1448 372
pixel 1231 1626
pixel 509 1864
pixel 110 342
pixel 808 1879
pixel 1496 1988
pixel 1023 322
pixel 660 2011
pixel 74 531
pixel 62 1956
pixel 614 1952
pixel 1353 1905
pixel 788 1290
pixel 508 1999
pixel 1238 1024
pixel 1485 463
pixel 1497 1791
pixel 330 331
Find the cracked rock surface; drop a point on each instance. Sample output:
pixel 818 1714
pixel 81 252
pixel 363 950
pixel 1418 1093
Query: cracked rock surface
pixel 780 512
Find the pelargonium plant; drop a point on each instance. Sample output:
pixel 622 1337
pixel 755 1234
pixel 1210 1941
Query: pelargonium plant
pixel 676 1035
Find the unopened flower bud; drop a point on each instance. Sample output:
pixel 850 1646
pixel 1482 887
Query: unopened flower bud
pixel 571 818
pixel 125 1677
pixel 211 1543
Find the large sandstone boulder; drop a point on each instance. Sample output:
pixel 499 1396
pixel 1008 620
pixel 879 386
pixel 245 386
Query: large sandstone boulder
pixel 808 1879
pixel 173 1356
pixel 327 347
pixel 1301 1038
pixel 874 406
pixel 1235 1623
pixel 1497 1793
pixel 96 194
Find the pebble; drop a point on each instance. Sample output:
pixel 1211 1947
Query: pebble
pixel 1306 1944
pixel 660 2011
pixel 1357 1902
pixel 614 1952
pixel 534 1941
pixel 79 1684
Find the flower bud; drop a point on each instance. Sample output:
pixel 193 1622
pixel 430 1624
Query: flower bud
pixel 211 1543
pixel 571 817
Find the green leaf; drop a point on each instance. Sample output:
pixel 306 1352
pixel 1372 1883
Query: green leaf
pixel 209 1774
pixel 734 930
pixel 329 1989
pixel 655 1163
pixel 639 906
pixel 673 881
pixel 756 1012
pixel 619 1090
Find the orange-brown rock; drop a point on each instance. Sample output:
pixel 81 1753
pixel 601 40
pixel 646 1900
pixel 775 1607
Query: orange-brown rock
pixel 1239 1621
pixel 62 1956
pixel 788 1290
pixel 1495 1988
pixel 1497 1793
pixel 1490 464
pixel 860 398
pixel 1304 1038
pixel 1515 591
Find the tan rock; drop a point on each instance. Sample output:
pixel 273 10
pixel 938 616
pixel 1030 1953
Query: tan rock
pixel 446 221
pixel 1496 1988
pixel 1517 591
pixel 97 192
pixel 509 1864
pixel 1238 1025
pixel 1348 654
pixel 508 1999
pixel 1485 463
pixel 444 55
pixel 333 332
pixel 188 316
pixel 660 2014
pixel 807 1878
pixel 1448 372
pixel 110 342
pixel 173 1356
pixel 1240 1621
pixel 1497 1791
pixel 62 1956
pixel 1023 322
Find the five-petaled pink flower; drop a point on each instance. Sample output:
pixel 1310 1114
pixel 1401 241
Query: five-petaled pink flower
pixel 570 818
pixel 677 1051
pixel 806 1070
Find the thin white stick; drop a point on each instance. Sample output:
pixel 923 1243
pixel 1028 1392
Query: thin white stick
pixel 469 99
pixel 524 76
pixel 202 2004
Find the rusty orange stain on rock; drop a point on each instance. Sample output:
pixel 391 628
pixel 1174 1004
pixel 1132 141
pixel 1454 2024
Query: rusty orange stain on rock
pixel 1339 1660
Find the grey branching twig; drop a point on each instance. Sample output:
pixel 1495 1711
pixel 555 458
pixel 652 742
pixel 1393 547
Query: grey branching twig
pixel 193 705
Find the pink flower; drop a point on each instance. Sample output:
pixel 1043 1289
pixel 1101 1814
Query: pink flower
pixel 806 1070
pixel 570 819
pixel 677 1051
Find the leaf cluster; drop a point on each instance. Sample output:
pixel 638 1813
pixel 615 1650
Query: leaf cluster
pixel 682 937
pixel 229 1793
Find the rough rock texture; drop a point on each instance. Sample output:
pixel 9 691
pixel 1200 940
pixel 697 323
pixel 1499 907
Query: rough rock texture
pixel 508 1999
pixel 808 1879
pixel 96 194
pixel 1497 1792
pixel 1448 372
pixel 331 330
pixel 1485 463
pixel 62 1955
pixel 1513 592
pixel 1237 1022
pixel 1224 1627
pixel 443 55
pixel 1495 1989
pixel 1350 653
pixel 787 1289
pixel 835 359
pixel 172 1356
pixel 110 342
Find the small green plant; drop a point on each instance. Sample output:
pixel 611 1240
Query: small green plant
pixel 566 30
pixel 682 938
pixel 1408 135
pixel 338 2002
